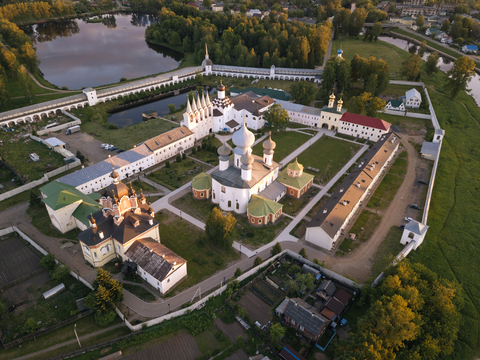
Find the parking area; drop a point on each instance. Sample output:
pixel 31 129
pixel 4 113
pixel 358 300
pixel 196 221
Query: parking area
pixel 87 144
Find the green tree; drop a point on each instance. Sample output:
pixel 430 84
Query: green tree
pixel 277 118
pixel 459 75
pixel 306 279
pixel 357 103
pixel 446 26
pixel 26 84
pixel 207 4
pixel 375 106
pixel 377 30
pixel 411 67
pixel 34 199
pixel 60 273
pixel 219 228
pixel 431 64
pixel 277 331
pixel 48 262
pixel 258 260
pixel 423 48
pixel 242 312
pixel 303 92
pixel 171 108
pixel 238 272
pixel 303 253
pixel 30 326
pixel 3 308
pixel 276 249
pixel 420 21
pixel 292 287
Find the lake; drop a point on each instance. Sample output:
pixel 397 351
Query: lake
pixel 77 54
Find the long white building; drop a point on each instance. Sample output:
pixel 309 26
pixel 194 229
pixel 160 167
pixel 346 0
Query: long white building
pixel 331 221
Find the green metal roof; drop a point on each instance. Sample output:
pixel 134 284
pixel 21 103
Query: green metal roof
pixel 276 94
pixel 61 199
pixel 60 195
pixel 295 166
pixel 294 182
pixel 259 206
pixel 54 187
pixel 83 210
pixel 395 103
pixel 202 181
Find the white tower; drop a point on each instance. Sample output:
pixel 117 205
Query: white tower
pixel 224 158
pixel 331 100
pixel 247 161
pixel 91 96
pixel 221 90
pixel 243 140
pixel 339 105
pixel 207 63
pixel 268 147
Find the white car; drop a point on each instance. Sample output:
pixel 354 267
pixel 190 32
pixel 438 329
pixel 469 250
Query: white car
pixel 408 219
pixel 103 146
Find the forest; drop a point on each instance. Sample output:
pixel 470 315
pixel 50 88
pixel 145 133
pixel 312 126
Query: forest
pixel 242 41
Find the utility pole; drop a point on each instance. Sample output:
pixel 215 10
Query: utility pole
pixel 75 331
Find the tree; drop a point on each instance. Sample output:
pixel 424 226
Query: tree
pixel 26 83
pixel 277 117
pixel 411 67
pixel 107 292
pixel 412 314
pixel 3 308
pixel 420 21
pixel 375 106
pixel 207 4
pixel 377 30
pixel 292 287
pixel 303 92
pixel 357 103
pixel 277 331
pixel 431 64
pixel 306 279
pixel 34 199
pixel 258 260
pixel 60 273
pixel 171 108
pixel 238 272
pixel 277 249
pixel 242 312
pixel 48 262
pixel 423 48
pixel 30 326
pixel 459 75
pixel 219 228
pixel 303 253
pixel 446 26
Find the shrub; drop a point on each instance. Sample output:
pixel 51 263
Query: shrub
pixel 123 79
pixel 258 260
pixel 48 262
pixel 199 148
pixel 167 164
pixel 184 156
pixel 238 272
pixel 194 151
pixel 60 273
pixel 104 318
pixel 179 159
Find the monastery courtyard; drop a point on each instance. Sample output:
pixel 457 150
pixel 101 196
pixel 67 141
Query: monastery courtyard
pixel 357 262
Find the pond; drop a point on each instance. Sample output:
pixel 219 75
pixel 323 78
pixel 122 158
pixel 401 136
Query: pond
pixel 443 64
pixel 133 115
pixel 77 53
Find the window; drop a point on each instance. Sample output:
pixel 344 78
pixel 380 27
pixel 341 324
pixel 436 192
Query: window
pixel 259 221
pixel 118 248
pixel 95 254
pixel 301 328
pixel 223 189
pixel 168 280
pixel 86 250
pixel 214 194
pixel 229 203
pixel 238 206
pixel 201 194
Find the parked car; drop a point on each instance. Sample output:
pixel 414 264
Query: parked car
pixel 120 150
pixel 415 206
pixel 113 148
pixel 401 226
pixel 422 182
pixel 103 146
pixel 408 219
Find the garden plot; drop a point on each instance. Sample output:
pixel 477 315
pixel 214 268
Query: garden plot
pixel 257 309
pixel 267 292
pixel 181 347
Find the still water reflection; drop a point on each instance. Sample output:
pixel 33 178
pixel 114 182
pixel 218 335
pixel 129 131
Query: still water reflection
pixel 78 54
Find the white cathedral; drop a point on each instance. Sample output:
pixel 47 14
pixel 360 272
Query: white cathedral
pixel 204 117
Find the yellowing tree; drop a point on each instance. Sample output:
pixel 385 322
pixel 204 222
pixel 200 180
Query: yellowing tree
pixel 219 228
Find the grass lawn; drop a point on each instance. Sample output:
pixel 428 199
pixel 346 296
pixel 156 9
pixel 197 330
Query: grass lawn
pixel 381 50
pixel 85 326
pixel 432 43
pixel 292 206
pixel 178 173
pixel 328 155
pixel 127 137
pixel 17 155
pixel 406 122
pixel 208 156
pixel 139 292
pixel 199 209
pixel 287 142
pixel 300 229
pixel 140 185
pixel 390 184
pixel 211 340
pixel 365 225
pixel 243 83
pixel 188 241
pixel 386 251
pixel 254 237
pixel 41 220
pixel 40 98
pixel 394 91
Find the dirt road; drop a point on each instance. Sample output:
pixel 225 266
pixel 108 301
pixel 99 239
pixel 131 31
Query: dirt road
pixel 358 263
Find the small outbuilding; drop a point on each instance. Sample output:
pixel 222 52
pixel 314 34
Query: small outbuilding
pixel 262 211
pixel 413 99
pixel 429 150
pixel 202 186
pixel 397 105
pixel 414 231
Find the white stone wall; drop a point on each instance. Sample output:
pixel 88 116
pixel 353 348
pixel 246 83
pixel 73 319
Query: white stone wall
pixel 362 132
pixel 172 150
pixel 62 218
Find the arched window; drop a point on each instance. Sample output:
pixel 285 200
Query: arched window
pixel 229 203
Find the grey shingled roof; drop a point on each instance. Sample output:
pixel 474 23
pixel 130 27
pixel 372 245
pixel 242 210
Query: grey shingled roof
pixel 130 156
pixel 274 190
pixel 416 227
pixel 430 148
pixel 154 258
pixel 311 322
pixel 328 286
pixel 87 174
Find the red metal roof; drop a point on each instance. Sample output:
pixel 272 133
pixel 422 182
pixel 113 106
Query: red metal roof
pixel 366 121
pixel 342 296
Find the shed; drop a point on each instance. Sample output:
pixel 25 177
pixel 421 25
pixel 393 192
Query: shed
pixel 430 150
pixel 310 270
pixel 48 294
pixel 54 142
